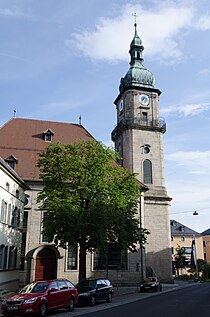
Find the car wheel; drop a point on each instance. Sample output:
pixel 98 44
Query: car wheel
pixel 43 309
pixel 93 300
pixel 109 298
pixel 71 305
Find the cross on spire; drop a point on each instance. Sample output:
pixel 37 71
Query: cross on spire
pixel 135 16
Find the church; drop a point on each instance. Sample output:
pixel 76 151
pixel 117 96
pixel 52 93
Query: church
pixel 138 137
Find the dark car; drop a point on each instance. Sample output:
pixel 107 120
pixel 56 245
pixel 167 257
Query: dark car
pixel 40 297
pixel 151 284
pixel 93 291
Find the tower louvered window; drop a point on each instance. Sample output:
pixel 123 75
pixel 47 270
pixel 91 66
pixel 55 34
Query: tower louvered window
pixel 147 172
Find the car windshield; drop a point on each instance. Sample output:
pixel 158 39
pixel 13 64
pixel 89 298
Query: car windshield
pixel 87 284
pixel 150 279
pixel 39 287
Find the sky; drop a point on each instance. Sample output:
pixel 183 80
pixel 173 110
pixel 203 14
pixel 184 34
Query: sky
pixel 63 59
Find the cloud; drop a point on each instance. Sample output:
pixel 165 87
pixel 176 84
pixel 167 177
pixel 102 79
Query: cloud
pixel 15 12
pixel 204 73
pixel 194 162
pixel 204 23
pixel 160 28
pixel 185 110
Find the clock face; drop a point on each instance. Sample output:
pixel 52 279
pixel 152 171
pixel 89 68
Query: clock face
pixel 144 100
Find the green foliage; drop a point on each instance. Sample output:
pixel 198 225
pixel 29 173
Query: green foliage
pixel 89 199
pixel 180 259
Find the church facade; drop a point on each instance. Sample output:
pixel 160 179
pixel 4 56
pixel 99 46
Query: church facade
pixel 138 138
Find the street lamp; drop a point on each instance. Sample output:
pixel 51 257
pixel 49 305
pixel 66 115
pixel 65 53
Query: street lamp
pixel 195 213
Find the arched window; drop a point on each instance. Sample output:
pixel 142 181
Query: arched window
pixel 147 172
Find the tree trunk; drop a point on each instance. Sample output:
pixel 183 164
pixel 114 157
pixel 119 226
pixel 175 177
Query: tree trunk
pixel 82 261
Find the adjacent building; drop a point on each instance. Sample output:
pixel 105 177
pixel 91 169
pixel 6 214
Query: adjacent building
pixel 182 236
pixel 206 244
pixel 12 200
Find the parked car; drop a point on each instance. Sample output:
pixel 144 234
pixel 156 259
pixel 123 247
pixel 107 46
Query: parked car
pixel 40 297
pixel 95 290
pixel 151 284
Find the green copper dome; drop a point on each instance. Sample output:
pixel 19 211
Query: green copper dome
pixel 137 75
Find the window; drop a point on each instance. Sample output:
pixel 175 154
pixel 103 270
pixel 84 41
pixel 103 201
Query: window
pixel 11 161
pixel 115 258
pixel 44 237
pixel 3 211
pixel 12 257
pixel 62 285
pixel 48 134
pixel 17 193
pixel 146 149
pixel 147 172
pixel 188 250
pixel 1 256
pixel 72 257
pixel 15 222
pixel 144 117
pixel 182 238
pixel 53 286
pixel 7 186
pixel 172 238
pixel 9 214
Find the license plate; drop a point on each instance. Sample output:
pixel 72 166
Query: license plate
pixel 14 307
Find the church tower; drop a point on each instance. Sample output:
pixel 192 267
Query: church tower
pixel 138 138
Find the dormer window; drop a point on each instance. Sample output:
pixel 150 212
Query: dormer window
pixel 11 161
pixel 181 228
pixel 48 134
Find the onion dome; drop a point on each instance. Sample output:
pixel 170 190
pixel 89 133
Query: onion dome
pixel 137 75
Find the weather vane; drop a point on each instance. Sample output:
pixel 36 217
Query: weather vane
pixel 135 16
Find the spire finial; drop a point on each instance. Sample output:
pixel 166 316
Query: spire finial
pixel 135 16
pixel 135 24
pixel 80 120
pixel 14 113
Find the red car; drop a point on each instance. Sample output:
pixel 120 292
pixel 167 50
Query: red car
pixel 40 297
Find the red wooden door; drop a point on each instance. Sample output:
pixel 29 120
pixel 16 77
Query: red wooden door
pixel 46 265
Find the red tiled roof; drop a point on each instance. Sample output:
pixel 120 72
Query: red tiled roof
pixel 23 138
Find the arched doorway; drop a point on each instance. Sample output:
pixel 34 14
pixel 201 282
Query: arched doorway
pixel 46 265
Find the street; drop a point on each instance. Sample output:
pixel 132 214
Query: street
pixel 191 301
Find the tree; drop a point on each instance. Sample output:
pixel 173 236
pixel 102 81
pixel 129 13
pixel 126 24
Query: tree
pixel 202 267
pixel 180 259
pixel 89 199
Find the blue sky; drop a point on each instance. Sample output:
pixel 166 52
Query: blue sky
pixel 62 59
